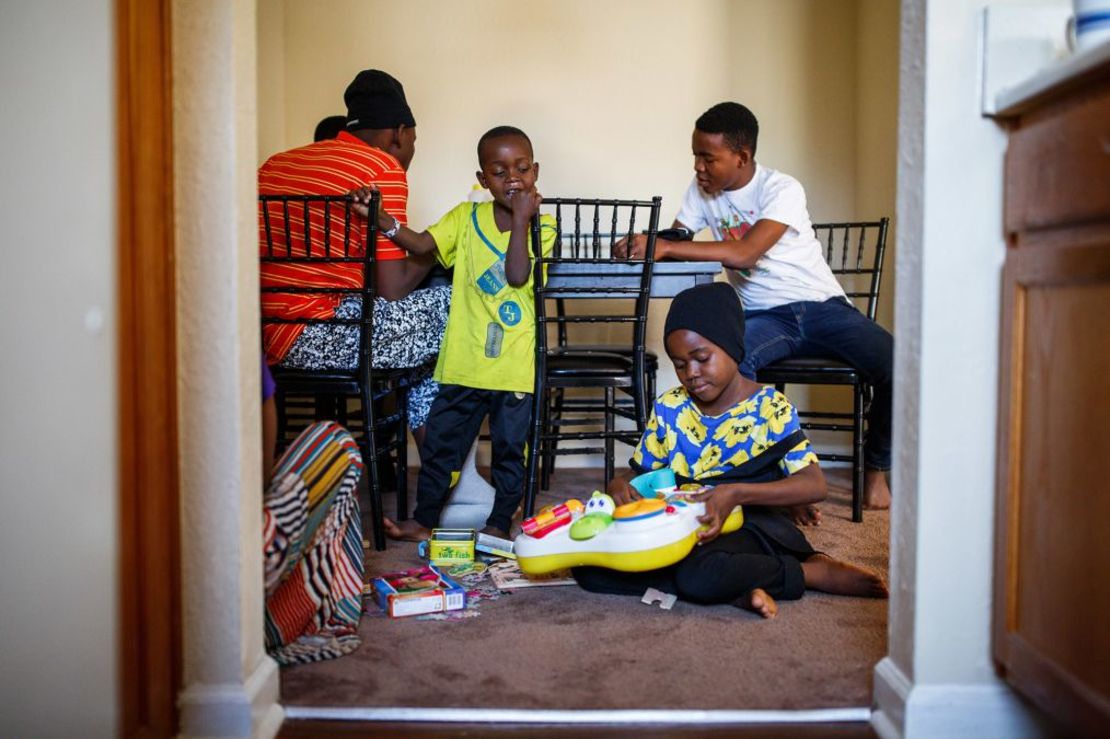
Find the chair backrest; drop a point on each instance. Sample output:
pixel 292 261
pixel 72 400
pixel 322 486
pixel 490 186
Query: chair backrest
pixel 582 266
pixel 317 246
pixel 854 251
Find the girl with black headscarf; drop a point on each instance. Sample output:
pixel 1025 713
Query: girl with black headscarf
pixel 742 441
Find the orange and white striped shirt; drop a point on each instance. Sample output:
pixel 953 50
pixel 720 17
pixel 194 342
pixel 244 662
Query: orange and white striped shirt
pixel 332 167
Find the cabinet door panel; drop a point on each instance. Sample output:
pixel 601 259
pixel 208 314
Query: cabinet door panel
pixel 1054 539
pixel 1057 163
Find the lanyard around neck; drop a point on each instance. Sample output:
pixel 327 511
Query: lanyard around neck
pixel 474 219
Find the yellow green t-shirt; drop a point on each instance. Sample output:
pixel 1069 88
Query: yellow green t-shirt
pixel 490 342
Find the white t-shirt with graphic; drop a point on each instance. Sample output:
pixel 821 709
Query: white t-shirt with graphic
pixel 792 270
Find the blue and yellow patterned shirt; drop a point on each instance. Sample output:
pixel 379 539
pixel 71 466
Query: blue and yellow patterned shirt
pixel 697 446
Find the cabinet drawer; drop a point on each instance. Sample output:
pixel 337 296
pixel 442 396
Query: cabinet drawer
pixel 1058 165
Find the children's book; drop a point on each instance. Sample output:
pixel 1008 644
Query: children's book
pixel 506 575
pixel 421 590
pixel 495 545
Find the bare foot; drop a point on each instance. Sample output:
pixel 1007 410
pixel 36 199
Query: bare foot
pixel 408 530
pixel 757 601
pixel 805 515
pixel 822 572
pixel 494 531
pixel 876 492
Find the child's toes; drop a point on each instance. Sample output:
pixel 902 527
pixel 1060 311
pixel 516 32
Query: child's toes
pixel 757 601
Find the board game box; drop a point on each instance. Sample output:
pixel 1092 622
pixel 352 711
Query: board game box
pixel 420 590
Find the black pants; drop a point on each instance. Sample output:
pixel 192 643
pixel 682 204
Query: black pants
pixel 765 553
pixel 453 424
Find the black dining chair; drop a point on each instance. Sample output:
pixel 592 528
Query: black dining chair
pixel 585 353
pixel 855 253
pixel 315 232
pixel 606 293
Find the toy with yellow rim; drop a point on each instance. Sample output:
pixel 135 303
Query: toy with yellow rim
pixel 656 531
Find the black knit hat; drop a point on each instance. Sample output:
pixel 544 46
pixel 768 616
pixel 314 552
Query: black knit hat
pixel 713 311
pixel 376 100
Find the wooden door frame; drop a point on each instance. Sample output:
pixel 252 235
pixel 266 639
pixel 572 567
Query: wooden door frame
pixel 150 630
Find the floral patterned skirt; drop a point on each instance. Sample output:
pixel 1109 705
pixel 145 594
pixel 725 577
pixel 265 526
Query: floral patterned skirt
pixel 407 334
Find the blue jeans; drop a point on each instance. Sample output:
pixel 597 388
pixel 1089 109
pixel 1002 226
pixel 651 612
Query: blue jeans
pixel 832 329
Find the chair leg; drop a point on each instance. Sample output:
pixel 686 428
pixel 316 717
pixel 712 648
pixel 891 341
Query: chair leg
pixel 403 454
pixel 552 446
pixel 640 401
pixel 370 460
pixel 610 401
pixel 375 490
pixel 553 405
pixel 857 453
pixel 531 480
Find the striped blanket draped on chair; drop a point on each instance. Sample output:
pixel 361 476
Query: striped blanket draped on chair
pixel 313 548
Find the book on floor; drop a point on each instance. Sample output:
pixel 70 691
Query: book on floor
pixel 506 575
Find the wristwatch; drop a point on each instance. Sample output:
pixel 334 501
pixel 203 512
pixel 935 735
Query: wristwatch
pixel 393 231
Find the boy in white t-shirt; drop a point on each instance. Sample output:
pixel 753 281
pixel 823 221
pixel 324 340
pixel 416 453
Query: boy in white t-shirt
pixel 793 305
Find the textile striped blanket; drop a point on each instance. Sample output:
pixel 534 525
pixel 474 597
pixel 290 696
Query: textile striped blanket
pixel 313 548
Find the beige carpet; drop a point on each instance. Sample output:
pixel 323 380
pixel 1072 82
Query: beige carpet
pixel 564 648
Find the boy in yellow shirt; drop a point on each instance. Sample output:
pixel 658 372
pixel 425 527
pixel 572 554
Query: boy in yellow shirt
pixel 487 363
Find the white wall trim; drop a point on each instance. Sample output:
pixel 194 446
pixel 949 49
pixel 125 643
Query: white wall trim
pixel 249 708
pixel 544 716
pixel 891 693
pixel 264 690
pixel 939 711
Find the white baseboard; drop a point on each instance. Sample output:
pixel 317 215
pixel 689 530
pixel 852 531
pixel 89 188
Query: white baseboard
pixel 891 694
pixel 904 710
pixel 545 716
pixel 248 709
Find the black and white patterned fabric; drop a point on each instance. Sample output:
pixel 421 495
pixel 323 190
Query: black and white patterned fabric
pixel 407 334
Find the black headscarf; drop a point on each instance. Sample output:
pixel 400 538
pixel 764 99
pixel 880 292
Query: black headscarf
pixel 713 311
pixel 376 100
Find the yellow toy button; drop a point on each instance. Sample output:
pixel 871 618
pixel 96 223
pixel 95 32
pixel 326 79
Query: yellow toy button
pixel 639 509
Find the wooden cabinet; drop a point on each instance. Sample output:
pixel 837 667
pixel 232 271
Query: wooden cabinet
pixel 1052 583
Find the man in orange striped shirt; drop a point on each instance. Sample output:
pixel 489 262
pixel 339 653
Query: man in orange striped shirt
pixel 375 149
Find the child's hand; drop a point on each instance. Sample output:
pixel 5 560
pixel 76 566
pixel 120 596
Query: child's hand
pixel 718 506
pixel 622 492
pixel 525 204
pixel 361 206
pixel 636 247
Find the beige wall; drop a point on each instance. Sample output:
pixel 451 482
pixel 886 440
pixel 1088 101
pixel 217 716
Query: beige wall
pixel 59 638
pixel 607 91
pixel 271 77
pixel 606 116
pixel 877 129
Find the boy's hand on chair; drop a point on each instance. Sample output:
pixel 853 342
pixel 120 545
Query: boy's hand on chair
pixel 622 492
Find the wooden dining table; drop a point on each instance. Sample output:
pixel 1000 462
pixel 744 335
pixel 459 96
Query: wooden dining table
pixel 667 280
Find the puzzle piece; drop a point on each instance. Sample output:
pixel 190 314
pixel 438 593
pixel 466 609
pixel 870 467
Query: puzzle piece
pixel 665 600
